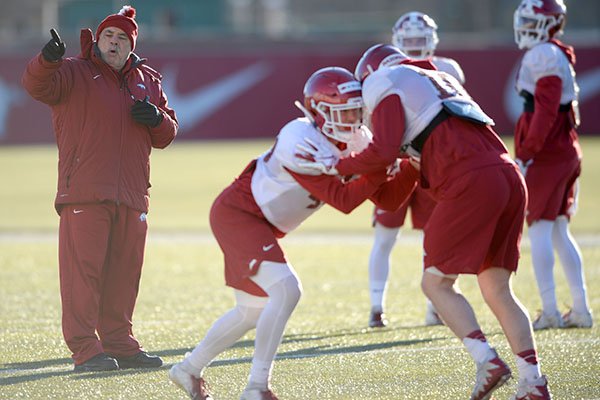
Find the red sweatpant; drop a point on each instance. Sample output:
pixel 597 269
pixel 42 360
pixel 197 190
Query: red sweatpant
pixel 101 252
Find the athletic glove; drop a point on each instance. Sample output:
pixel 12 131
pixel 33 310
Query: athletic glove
pixel 54 50
pixel 313 157
pixel 146 113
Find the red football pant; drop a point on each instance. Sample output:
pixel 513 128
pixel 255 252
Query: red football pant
pixel 101 252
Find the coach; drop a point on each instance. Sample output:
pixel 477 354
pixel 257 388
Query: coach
pixel 108 112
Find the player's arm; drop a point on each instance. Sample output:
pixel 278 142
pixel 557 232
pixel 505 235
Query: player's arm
pixel 387 123
pixel 345 197
pixel 391 194
pixel 547 95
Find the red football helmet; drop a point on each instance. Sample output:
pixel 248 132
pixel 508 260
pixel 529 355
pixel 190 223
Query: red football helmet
pixel 376 56
pixel 333 100
pixel 537 21
pixel 415 34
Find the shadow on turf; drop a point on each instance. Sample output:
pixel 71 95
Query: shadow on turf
pixel 21 375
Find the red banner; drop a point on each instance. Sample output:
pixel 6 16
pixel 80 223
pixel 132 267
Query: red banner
pixel 218 95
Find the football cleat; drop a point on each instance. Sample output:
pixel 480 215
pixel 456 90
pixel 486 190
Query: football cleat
pixel 141 359
pixel 572 319
pixel 490 376
pixel 377 319
pixel 100 362
pixel 547 320
pixel 532 390
pixel 196 388
pixel 256 394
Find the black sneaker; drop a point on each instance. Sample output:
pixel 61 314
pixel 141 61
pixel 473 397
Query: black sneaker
pixel 139 360
pixel 100 362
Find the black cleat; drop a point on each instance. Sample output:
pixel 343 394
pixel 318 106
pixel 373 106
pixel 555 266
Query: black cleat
pixel 100 362
pixel 139 360
pixel 377 320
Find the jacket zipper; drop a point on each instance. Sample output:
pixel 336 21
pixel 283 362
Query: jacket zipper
pixel 121 86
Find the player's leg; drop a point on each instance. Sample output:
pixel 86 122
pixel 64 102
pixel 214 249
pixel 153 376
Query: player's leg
pixel 571 260
pixel 224 332
pixel 379 269
pixel 458 315
pixel 496 287
pixel 280 282
pixel 542 257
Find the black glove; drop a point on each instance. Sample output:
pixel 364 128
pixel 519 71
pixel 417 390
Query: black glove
pixel 146 113
pixel 54 50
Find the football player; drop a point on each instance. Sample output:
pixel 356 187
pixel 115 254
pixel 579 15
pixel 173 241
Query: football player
pixel 272 196
pixel 416 35
pixel 548 152
pixel 475 227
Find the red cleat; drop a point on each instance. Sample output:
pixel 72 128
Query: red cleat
pixel 196 388
pixel 533 390
pixel 490 376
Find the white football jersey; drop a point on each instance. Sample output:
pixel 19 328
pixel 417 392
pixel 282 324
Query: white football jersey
pixel 449 66
pixel 421 92
pixel 547 59
pixel 282 200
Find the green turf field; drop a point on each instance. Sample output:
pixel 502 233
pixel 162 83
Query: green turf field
pixel 327 351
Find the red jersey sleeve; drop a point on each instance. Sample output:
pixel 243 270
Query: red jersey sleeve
pixel 393 193
pixel 345 197
pixel 546 103
pixel 387 124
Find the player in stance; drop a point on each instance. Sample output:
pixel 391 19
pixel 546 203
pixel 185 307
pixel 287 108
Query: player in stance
pixel 476 225
pixel 273 195
pixel 415 34
pixel 548 152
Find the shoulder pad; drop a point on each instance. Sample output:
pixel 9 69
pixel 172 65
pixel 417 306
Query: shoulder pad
pixel 543 60
pixel 377 86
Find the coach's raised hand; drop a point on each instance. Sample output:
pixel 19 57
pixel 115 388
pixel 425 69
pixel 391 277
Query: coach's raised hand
pixel 54 50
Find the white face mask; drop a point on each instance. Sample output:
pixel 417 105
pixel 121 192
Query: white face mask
pixel 342 121
pixel 532 28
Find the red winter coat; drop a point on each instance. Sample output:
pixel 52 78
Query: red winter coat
pixel 104 155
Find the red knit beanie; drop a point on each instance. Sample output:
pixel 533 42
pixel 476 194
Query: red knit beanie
pixel 124 20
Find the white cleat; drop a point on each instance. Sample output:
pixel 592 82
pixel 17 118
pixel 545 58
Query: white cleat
pixel 196 388
pixel 574 319
pixel 256 394
pixel 547 320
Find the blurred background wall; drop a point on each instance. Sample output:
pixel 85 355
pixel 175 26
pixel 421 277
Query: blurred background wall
pixel 232 68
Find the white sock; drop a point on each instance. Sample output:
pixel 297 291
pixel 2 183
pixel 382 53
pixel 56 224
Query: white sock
pixel 528 371
pixel 379 265
pixel 284 289
pixel 260 375
pixel 542 257
pixel 480 351
pixel 222 334
pixel 571 260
